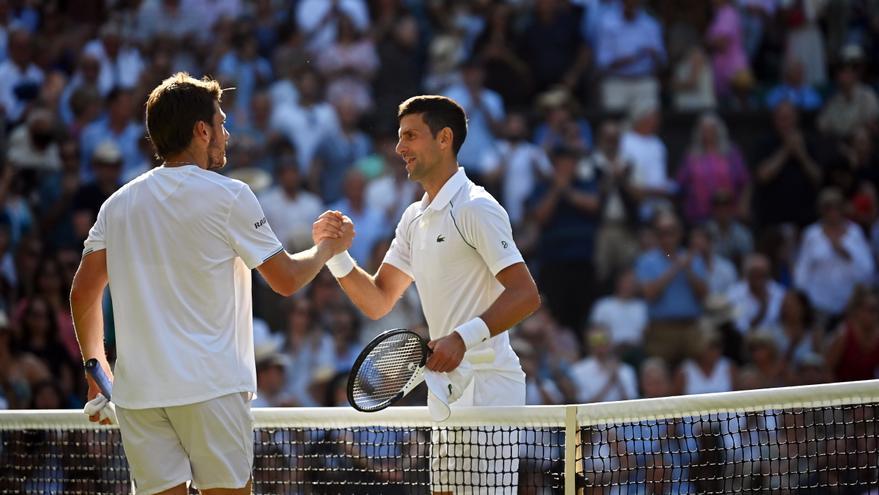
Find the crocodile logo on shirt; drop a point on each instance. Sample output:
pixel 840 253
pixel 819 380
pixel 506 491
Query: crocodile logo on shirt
pixel 440 238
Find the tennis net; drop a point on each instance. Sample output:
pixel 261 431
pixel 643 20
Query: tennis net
pixel 813 439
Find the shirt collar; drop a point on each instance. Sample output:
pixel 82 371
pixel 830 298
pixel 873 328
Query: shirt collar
pixel 446 193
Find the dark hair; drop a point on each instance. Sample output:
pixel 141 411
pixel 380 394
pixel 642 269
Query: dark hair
pixel 175 106
pixel 438 112
pixel 805 306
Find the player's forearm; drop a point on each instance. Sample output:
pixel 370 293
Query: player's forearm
pixel 511 307
pixel 88 322
pixel 363 291
pixel 307 264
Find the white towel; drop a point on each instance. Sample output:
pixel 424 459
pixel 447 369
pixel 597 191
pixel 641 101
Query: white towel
pixel 446 388
pixel 100 405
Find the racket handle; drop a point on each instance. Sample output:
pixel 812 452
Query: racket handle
pixel 94 369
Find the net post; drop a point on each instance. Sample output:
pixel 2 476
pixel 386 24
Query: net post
pixel 571 444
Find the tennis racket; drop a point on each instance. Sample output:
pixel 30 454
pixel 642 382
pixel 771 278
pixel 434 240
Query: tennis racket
pixel 390 367
pixel 94 369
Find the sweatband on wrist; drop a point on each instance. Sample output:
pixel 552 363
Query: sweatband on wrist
pixel 341 264
pixel 473 332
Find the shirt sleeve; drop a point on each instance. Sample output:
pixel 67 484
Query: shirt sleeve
pixel 399 255
pixel 486 226
pixel 96 239
pixel 249 233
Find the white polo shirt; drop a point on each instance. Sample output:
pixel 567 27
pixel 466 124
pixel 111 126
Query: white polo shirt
pixel 180 245
pixel 452 247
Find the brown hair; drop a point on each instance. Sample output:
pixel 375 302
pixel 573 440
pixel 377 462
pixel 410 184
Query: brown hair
pixel 175 106
pixel 438 112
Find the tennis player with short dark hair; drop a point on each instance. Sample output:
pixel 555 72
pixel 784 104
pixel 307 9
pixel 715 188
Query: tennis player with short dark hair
pixel 176 246
pixel 456 244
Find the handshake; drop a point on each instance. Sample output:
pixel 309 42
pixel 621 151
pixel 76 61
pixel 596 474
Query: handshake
pixel 333 229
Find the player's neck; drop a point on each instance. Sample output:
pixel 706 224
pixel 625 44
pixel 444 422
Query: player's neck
pixel 187 157
pixel 432 185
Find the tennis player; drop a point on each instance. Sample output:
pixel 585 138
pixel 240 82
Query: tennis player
pixel 456 244
pixel 177 245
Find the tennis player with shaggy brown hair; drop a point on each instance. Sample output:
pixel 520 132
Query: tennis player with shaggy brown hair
pixel 177 246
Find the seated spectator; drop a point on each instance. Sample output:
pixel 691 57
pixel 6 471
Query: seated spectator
pixel 757 299
pixel 629 53
pixel 796 334
pixel 709 371
pixel 787 174
pixel 713 164
pixel 120 62
pixel 624 314
pixel 20 78
pixel 515 166
pixel 308 350
pixel 720 272
pixel 349 64
pixel 616 244
pixel 693 82
pixel 763 354
pixel 643 148
pixel 337 152
pixel 673 281
pixel 793 88
pixel 271 381
pixel 731 239
pixel 833 257
pixel 289 209
pixel 656 380
pixel 561 125
pixel 724 38
pixel 853 353
pixel 602 377
pixel 33 146
pixel 854 104
pixel 539 390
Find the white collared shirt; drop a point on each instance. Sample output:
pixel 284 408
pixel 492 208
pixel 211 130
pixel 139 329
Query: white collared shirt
pixel 453 247
pixel 746 306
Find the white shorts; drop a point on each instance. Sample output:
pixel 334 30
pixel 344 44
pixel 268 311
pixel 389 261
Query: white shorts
pixel 479 460
pixel 209 443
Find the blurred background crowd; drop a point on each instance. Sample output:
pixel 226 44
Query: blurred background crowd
pixel 693 183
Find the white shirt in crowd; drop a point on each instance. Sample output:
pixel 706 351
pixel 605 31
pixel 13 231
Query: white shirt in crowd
pixel 181 243
pixel 453 247
pixel 10 77
pixel 720 378
pixel 390 196
pixel 746 306
pixel 311 15
pixel 825 276
pixel 123 72
pixel 625 318
pixel 525 164
pixel 647 154
pixel 590 377
pixel 291 219
pixel 721 275
pixel 305 127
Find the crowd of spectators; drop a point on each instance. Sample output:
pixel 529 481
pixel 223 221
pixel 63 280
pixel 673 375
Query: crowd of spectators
pixel 693 184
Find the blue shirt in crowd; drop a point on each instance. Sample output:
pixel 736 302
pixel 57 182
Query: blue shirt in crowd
pixel 677 301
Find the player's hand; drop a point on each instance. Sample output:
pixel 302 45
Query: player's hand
pixel 448 352
pixel 327 226
pixel 94 390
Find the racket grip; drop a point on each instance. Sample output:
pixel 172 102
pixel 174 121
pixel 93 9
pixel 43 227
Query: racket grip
pixel 94 369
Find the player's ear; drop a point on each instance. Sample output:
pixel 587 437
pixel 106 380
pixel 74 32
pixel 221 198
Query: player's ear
pixel 201 130
pixel 445 137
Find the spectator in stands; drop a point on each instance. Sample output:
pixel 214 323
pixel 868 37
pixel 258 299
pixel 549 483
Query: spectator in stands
pixel 794 88
pixel 106 165
pixel 787 174
pixel 337 152
pixel 720 273
pixel 853 352
pixel 803 37
pixel 629 53
pixel 288 207
pixel 796 334
pixel 757 298
pixel 561 126
pixel 566 208
pixel 673 281
pixel 172 19
pixel 757 16
pixel 656 379
pixel 833 257
pixel 485 115
pixel 20 78
pixel 390 192
pixel 245 69
pixel 399 71
pixel 724 38
pixel 271 381
pixel 117 126
pixel 371 225
pixel 551 45
pixel 763 353
pixel 86 76
pixel 33 146
pixel 624 314
pixel 343 323
pixel 505 70
pixel 49 286
pixel 692 83
pixel 318 20
pixel 539 390
pixel 120 62
pixel 309 121
pixel 854 104
pixel 615 245
pixel 731 239
pixel 349 64
pixel 708 371
pixel 309 352
pixel 515 166
pixel 602 377
pixel 643 148
pixel 713 164
pixel 39 336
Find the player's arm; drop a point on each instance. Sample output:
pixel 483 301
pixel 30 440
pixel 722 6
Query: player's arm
pixel 86 295
pixel 287 273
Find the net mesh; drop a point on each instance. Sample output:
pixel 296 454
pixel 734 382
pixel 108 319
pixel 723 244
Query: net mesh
pixel 757 443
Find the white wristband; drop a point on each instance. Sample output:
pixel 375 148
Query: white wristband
pixel 474 332
pixel 341 264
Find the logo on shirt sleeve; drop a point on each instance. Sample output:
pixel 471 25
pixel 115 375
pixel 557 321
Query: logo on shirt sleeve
pixel 259 224
pixel 504 244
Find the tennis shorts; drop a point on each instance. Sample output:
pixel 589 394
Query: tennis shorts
pixel 209 443
pixel 479 460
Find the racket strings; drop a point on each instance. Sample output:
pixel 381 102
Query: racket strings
pixel 386 370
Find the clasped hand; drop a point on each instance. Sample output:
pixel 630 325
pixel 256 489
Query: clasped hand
pixel 335 229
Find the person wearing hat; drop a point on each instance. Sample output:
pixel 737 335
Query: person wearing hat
pixel 854 104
